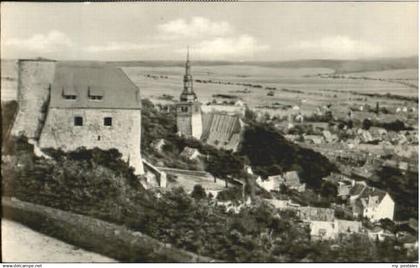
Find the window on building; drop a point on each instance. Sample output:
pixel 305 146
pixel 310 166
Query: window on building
pixel 95 94
pixel 184 109
pixel 94 97
pixel 70 97
pixel 69 94
pixel 108 121
pixel 78 121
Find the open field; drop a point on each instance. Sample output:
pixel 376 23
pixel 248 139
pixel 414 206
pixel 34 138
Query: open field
pixel 292 86
pixel 409 74
pixel 8 80
pixel 299 86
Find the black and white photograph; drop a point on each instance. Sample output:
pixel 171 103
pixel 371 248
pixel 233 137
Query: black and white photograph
pixel 209 132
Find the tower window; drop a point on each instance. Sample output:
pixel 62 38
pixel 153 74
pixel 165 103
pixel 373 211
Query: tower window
pixel 108 121
pixel 184 109
pixel 78 121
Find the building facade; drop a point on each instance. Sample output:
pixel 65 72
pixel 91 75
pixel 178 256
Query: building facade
pixel 94 105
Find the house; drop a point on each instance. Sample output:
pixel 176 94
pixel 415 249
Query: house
pixel 330 138
pixel 322 230
pixel 373 204
pixel 356 189
pixel 190 153
pixel 158 144
pixel 292 181
pixel 282 204
pixel 315 214
pixel 364 135
pixel 348 227
pixel 67 105
pixel 378 133
pixel 270 184
pixel 289 179
pixel 378 233
pixel 343 189
pixel 314 139
pixel 333 229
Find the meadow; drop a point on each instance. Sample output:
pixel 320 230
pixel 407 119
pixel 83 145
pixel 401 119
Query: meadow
pixel 262 87
pixel 307 88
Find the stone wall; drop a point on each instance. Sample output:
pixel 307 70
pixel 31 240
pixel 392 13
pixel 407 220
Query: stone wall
pixel 124 134
pixel 95 235
pixel 189 123
pixel 34 80
pixel 183 124
pixel 197 125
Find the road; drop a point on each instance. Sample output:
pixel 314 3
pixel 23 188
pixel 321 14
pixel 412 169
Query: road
pixel 21 244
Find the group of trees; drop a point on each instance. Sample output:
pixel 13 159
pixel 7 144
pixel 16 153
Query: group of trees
pixel 270 153
pixel 403 188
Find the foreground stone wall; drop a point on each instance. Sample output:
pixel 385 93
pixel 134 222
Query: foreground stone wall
pixel 34 80
pixel 124 134
pixel 95 235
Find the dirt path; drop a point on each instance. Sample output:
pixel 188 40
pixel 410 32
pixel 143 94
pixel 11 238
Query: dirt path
pixel 21 244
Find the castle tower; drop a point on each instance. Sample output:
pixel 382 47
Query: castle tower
pixel 188 110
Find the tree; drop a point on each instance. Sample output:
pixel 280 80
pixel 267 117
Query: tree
pixel 328 190
pixel 198 192
pixel 366 124
pixel 270 153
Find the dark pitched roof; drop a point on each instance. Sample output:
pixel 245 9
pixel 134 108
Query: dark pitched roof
pixel 94 85
pixel 291 178
pixel 357 189
pixel 372 191
pixel 221 130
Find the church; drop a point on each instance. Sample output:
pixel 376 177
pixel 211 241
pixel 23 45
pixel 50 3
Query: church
pixel 218 129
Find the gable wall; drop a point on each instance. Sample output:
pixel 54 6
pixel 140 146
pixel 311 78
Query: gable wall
pixel 124 134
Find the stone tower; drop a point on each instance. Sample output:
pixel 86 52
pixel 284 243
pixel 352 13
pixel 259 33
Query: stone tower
pixel 188 110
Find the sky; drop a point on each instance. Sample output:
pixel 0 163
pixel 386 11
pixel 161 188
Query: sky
pixel 264 31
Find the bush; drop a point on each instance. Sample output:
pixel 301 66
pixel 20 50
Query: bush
pixel 230 194
pixel 198 192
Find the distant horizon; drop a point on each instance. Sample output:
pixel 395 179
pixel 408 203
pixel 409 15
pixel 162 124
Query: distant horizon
pixel 218 60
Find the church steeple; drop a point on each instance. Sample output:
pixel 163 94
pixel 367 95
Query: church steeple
pixel 188 93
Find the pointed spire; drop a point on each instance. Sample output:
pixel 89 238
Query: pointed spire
pixel 188 53
pixel 188 92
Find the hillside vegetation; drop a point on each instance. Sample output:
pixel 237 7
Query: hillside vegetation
pixel 98 183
